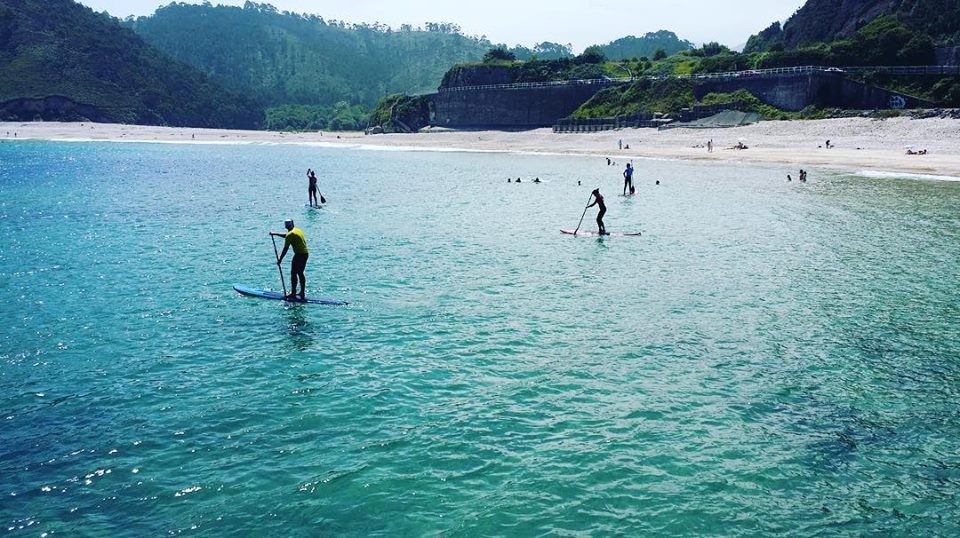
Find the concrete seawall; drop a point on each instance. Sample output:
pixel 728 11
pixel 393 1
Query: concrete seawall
pixel 508 108
pixel 543 106
pixel 822 89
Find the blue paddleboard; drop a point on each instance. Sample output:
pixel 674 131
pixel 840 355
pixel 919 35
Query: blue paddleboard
pixel 276 295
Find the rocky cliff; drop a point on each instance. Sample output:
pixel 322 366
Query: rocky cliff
pixel 827 20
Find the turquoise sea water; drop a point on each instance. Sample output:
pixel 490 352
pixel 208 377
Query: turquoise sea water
pixel 768 358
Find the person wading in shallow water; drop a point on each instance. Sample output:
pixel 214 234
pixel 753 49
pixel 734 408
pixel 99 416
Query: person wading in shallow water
pixel 598 201
pixel 295 238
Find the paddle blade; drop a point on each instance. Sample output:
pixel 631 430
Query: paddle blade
pixel 322 199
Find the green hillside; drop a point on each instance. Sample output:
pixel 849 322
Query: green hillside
pixel 285 58
pixel 62 61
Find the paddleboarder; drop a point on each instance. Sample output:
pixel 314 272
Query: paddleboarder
pixel 294 237
pixel 312 190
pixel 598 201
pixel 628 179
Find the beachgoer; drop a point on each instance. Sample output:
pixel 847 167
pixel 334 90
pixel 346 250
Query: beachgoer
pixel 789 178
pixel 628 179
pixel 710 146
pixel 518 180
pixel 536 180
pixel 295 238
pixel 312 189
pixel 598 201
pixel 658 182
pixel 620 144
pixel 828 145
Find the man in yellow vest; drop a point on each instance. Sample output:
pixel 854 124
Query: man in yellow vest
pixel 295 238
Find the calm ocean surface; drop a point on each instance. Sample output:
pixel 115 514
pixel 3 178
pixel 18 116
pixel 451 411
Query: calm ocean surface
pixel 768 358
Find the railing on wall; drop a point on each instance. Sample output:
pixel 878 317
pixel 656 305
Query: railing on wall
pixel 946 70
pixel 548 84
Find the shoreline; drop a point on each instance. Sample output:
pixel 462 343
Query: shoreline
pixel 857 144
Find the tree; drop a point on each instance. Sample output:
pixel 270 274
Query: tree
pixel 499 54
pixel 713 49
pixel 592 55
pixel 552 51
pixel 660 54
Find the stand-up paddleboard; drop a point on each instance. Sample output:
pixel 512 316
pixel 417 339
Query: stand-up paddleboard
pixel 276 295
pixel 313 206
pixel 586 233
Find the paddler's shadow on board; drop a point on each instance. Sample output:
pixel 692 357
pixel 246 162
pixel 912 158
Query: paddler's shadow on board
pixel 298 326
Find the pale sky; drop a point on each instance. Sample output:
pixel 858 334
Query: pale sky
pixel 527 22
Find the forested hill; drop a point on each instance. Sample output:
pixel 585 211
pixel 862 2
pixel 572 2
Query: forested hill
pixel 62 61
pixel 646 45
pixel 288 58
pixel 823 21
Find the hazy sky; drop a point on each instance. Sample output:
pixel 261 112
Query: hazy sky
pixel 526 22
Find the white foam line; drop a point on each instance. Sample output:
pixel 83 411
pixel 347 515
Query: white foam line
pixel 169 142
pixel 905 175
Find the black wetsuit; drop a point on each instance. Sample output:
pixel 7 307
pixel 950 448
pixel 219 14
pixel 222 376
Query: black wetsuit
pixel 603 209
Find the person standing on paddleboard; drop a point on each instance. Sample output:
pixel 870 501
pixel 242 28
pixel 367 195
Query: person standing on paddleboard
pixel 295 238
pixel 312 190
pixel 628 179
pixel 598 201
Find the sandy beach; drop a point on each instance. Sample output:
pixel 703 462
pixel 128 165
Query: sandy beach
pixel 857 143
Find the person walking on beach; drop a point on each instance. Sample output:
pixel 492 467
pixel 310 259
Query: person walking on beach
pixel 598 201
pixel 710 146
pixel 295 238
pixel 312 189
pixel 628 179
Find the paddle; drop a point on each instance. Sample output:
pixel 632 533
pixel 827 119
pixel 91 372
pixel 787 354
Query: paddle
pixel 584 213
pixel 279 268
pixel 322 199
